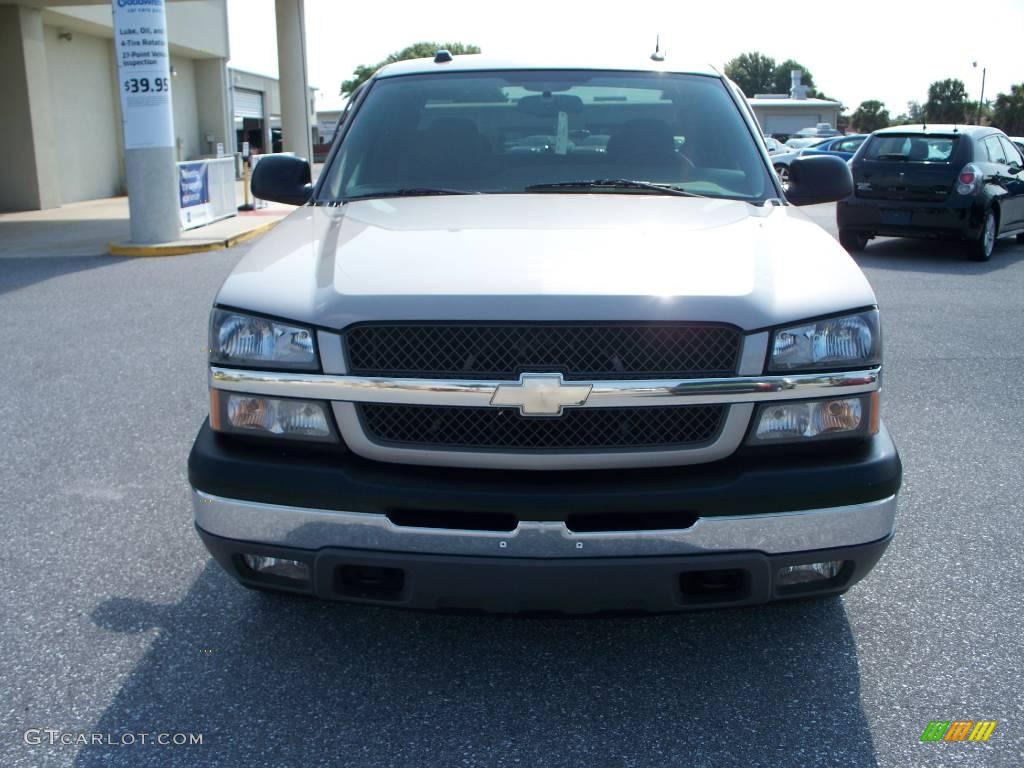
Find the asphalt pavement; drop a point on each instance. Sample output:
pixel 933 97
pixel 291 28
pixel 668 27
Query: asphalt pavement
pixel 116 622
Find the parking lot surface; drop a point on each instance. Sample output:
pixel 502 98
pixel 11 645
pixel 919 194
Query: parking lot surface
pixel 117 622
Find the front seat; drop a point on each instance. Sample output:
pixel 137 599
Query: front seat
pixel 451 149
pixel 918 150
pixel 644 146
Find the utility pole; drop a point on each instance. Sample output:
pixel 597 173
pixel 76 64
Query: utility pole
pixel 981 100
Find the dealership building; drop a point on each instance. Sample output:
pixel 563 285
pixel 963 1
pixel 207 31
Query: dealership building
pixel 61 139
pixel 256 111
pixel 61 136
pixel 787 113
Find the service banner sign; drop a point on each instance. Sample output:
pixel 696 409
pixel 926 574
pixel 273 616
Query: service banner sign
pixel 194 194
pixel 143 68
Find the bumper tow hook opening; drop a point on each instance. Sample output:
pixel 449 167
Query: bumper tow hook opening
pixel 717 586
pixel 369 582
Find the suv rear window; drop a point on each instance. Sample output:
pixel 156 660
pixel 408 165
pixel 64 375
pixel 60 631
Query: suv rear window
pixel 914 148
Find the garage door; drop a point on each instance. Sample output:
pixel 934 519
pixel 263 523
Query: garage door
pixel 248 103
pixel 788 123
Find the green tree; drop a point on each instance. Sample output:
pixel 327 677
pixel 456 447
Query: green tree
pixel 947 102
pixel 363 72
pixel 753 73
pixel 1008 112
pixel 782 80
pixel 870 116
pixel 913 115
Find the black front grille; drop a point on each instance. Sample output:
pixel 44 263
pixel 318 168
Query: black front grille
pixel 578 351
pixel 445 427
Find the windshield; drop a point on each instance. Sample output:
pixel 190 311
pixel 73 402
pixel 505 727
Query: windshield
pixel 506 132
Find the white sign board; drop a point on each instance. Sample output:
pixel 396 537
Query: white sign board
pixel 143 68
pixel 206 191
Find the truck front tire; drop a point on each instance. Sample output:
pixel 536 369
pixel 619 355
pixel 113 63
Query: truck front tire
pixel 852 240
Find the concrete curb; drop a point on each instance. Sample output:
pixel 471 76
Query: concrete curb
pixel 181 248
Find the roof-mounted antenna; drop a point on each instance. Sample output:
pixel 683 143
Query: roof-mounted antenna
pixel 443 56
pixel 657 55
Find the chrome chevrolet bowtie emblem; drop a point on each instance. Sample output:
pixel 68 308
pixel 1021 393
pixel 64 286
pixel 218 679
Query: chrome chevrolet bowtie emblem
pixel 541 394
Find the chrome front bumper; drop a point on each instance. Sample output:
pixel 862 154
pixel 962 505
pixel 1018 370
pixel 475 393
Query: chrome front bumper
pixel 774 533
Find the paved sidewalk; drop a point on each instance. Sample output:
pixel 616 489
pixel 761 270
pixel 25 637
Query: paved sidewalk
pixel 89 228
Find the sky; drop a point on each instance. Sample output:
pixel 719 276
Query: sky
pixel 872 49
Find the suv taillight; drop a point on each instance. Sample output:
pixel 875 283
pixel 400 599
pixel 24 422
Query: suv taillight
pixel 969 180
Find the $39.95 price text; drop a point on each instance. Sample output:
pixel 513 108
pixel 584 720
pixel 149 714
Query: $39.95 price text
pixel 146 85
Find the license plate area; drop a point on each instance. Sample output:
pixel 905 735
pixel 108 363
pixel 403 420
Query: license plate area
pixel 895 217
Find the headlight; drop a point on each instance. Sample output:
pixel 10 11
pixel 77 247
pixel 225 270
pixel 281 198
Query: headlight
pixel 270 416
pixel 803 420
pixel 837 342
pixel 237 339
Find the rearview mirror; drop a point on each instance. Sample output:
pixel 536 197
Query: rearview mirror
pixel 818 179
pixel 550 104
pixel 283 179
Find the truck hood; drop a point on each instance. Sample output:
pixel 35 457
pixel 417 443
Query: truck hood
pixel 547 257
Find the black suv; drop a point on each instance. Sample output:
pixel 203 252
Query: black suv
pixel 943 181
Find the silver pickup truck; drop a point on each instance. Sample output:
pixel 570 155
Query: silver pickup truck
pixel 610 370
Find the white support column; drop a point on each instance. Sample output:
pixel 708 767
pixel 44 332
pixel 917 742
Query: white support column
pixel 143 65
pixel 296 132
pixel 268 134
pixel 214 105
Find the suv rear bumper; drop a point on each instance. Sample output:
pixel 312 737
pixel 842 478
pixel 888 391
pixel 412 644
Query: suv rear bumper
pixel 516 543
pixel 903 218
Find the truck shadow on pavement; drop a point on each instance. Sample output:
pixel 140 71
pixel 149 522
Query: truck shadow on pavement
pixel 935 256
pixel 17 272
pixel 275 680
pixel 60 232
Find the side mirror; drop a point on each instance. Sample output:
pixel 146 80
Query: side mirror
pixel 818 179
pixel 283 179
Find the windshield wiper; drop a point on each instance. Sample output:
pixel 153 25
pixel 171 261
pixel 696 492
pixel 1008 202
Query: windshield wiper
pixel 414 192
pixel 891 156
pixel 664 189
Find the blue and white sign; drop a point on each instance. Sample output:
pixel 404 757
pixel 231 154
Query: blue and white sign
pixel 144 73
pixel 206 191
pixel 194 194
